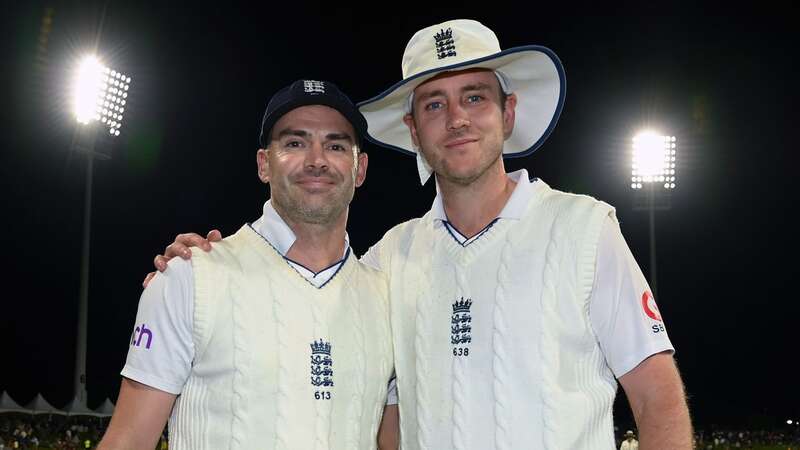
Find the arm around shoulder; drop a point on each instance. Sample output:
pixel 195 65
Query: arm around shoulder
pixel 139 417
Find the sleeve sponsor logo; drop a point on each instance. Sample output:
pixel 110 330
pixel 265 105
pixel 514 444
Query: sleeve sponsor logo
pixel 139 333
pixel 651 310
pixel 650 307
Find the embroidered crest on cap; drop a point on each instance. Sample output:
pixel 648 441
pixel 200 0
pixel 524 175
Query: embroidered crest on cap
pixel 314 87
pixel 445 46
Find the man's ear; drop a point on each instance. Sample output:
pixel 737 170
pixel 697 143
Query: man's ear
pixel 412 128
pixel 509 115
pixel 262 159
pixel 361 169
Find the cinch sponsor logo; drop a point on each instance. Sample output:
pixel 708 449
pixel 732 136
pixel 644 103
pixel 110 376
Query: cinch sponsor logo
pixel 139 333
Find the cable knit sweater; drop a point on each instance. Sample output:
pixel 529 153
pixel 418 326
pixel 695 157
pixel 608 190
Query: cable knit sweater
pixel 280 363
pixel 492 340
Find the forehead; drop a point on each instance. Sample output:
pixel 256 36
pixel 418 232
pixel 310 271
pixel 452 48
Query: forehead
pixel 455 81
pixel 313 118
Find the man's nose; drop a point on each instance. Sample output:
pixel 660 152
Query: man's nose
pixel 316 157
pixel 457 116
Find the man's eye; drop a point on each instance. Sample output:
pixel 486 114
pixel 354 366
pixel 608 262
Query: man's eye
pixel 337 147
pixel 432 106
pixel 293 144
pixel 474 98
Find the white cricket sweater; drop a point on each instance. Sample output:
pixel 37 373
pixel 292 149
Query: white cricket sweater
pixel 279 363
pixel 493 345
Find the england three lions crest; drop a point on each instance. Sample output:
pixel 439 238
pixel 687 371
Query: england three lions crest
pixel 321 369
pixel 461 327
pixel 314 86
pixel 445 45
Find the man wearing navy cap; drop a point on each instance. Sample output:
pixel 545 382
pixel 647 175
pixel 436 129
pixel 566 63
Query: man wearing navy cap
pixel 278 337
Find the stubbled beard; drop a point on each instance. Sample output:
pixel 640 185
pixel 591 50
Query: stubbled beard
pixel 324 214
pixel 441 170
pixel 465 180
pixel 298 211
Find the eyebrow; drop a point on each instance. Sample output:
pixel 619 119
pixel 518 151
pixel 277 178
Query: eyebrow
pixel 476 87
pixel 339 137
pixel 306 135
pixel 440 93
pixel 431 94
pixel 293 132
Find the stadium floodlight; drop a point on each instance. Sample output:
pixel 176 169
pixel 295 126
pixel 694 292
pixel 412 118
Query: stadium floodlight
pixel 653 168
pixel 789 422
pixel 100 94
pixel 653 160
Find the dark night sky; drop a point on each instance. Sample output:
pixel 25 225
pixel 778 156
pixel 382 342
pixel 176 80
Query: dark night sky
pixel 724 82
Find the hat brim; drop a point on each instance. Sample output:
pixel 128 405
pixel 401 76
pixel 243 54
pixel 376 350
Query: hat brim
pixel 534 73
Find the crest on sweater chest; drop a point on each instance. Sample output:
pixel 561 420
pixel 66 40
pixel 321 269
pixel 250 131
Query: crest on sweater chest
pixel 461 327
pixel 322 369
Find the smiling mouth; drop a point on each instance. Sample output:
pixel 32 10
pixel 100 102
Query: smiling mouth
pixel 315 183
pixel 459 142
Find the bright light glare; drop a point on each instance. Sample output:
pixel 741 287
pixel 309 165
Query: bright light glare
pixel 88 87
pixel 653 160
pixel 95 99
pixel 789 422
pixel 648 154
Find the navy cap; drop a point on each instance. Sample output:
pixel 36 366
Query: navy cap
pixel 310 92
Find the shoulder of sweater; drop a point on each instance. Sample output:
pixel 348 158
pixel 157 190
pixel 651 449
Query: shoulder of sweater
pixel 571 200
pixel 224 249
pixel 218 249
pixel 408 227
pixel 367 270
pixel 401 230
pixel 372 276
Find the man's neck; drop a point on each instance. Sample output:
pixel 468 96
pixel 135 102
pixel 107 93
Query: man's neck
pixel 317 246
pixel 471 207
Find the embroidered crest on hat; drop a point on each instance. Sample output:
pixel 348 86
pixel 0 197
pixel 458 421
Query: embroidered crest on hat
pixel 313 86
pixel 445 46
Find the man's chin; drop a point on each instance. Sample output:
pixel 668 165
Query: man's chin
pixel 325 215
pixel 463 176
pixel 322 208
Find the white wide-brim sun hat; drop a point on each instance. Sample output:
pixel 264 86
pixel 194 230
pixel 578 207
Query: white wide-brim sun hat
pixel 534 73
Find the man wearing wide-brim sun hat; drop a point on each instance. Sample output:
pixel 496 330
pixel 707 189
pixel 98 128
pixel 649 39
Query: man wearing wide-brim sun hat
pixel 532 72
pixel 515 307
